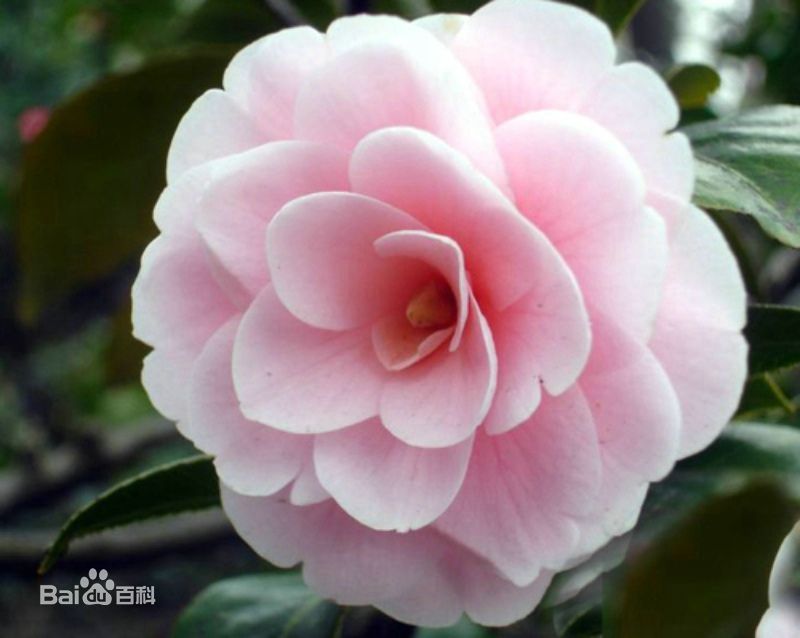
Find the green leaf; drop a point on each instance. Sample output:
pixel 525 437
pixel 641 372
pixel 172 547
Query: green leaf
pixel 90 179
pixel 317 13
pixel 186 485
pixel 773 333
pixel 462 629
pixel 749 164
pixel 750 448
pixel 763 394
pixel 617 14
pixel 693 84
pixel 260 605
pixel 707 577
pixel 406 8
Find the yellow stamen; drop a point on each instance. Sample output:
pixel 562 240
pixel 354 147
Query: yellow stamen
pixel 433 306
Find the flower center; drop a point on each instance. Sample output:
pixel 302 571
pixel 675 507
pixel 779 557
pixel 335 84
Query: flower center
pixel 432 306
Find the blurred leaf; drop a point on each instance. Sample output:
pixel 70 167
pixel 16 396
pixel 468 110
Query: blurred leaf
pixel 125 354
pixel 749 164
pixel 462 629
pixel 582 615
pixel 406 8
pixel 182 486
pixel 707 577
pixel 750 448
pixel 91 178
pixel 743 453
pixel 231 22
pixel 263 605
pixel 773 333
pixel 456 6
pixel 317 13
pixel 693 84
pixel 762 392
pixel 617 13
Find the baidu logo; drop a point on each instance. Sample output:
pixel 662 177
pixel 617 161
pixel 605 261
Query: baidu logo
pixel 96 588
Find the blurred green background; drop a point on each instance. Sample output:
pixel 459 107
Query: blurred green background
pixel 90 92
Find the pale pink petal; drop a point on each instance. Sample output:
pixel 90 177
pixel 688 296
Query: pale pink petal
pixel 443 255
pixel 668 165
pixel 177 303
pixel 492 600
pixel 696 336
pixel 399 345
pixel 440 401
pixel 246 190
pixel 618 505
pixel 427 88
pixel 214 126
pixel 533 55
pixel 174 211
pixel 633 102
pixel 542 340
pixel 251 458
pixel 306 489
pixel 164 374
pixel 418 173
pixel 445 26
pixel 264 77
pixel 354 31
pixel 301 379
pixel 638 430
pixel 578 184
pixel 350 563
pixel 324 265
pixel 417 577
pixel 634 406
pixel 524 490
pixel 384 483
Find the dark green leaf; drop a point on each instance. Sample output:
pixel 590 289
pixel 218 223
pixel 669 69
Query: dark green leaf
pixel 750 448
pixel 707 576
pixel 749 164
pixel 91 178
pixel 763 393
pixel 183 486
pixel 693 84
pixel 230 22
pixel 123 360
pixel 317 13
pixel 773 333
pixel 463 629
pixel 617 13
pixel 405 8
pixel 260 606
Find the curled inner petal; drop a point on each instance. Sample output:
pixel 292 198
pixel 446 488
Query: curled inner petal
pixel 432 306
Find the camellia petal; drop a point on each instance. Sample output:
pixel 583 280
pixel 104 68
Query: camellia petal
pixel 245 191
pixel 697 334
pixel 265 77
pixel 580 186
pixel 417 403
pixel 324 265
pixel 524 490
pixel 528 56
pixel 215 126
pixel 251 458
pixel 301 379
pixel 384 483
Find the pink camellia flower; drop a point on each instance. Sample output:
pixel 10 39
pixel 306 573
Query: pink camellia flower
pixel 433 295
